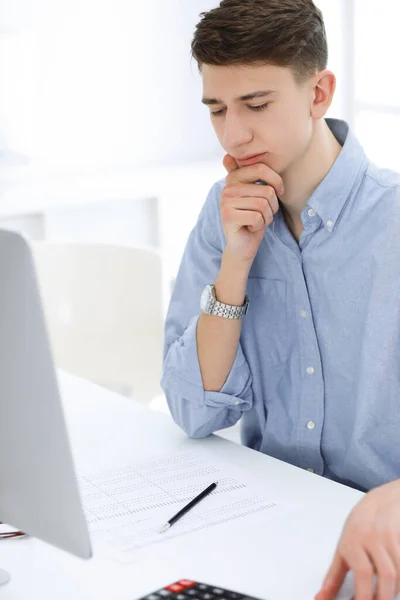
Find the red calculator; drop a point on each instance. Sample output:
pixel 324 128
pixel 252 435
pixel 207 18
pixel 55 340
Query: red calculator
pixel 185 589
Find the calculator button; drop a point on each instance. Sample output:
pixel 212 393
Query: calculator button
pixel 176 588
pixel 152 597
pixel 186 583
pixel 164 593
pixel 191 592
pixel 233 595
pixel 207 596
pixel 218 591
pixel 181 597
pixel 202 586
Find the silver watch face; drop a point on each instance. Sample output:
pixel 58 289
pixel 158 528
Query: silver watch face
pixel 205 297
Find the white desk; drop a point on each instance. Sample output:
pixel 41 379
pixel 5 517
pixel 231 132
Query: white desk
pixel 284 560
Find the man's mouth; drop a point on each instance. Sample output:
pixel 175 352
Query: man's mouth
pixel 250 160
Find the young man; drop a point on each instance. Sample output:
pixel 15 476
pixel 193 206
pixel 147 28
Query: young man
pixel 299 280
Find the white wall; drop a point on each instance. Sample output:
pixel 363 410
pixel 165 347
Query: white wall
pixel 99 97
pixel 377 87
pixel 100 83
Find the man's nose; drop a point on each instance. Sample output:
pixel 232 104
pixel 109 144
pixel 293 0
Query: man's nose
pixel 236 133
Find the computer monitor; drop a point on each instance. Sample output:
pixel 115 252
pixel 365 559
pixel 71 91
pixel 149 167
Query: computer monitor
pixel 39 492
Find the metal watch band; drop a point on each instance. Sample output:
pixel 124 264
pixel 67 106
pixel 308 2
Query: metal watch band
pixel 227 311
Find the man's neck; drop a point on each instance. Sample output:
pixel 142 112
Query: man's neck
pixel 304 176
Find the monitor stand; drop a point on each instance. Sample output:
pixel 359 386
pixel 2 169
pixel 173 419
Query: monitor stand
pixel 4 577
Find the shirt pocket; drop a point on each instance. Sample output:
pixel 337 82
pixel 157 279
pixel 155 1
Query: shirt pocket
pixel 265 333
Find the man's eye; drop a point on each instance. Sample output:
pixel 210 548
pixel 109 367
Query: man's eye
pixel 259 107
pixel 216 113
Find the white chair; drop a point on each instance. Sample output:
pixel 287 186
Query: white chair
pixel 104 309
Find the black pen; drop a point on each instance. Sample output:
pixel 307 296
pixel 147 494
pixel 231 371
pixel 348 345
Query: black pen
pixel 185 509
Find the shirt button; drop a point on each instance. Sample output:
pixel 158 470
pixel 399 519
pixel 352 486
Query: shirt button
pixel 311 425
pixel 310 370
pixel 303 314
pixel 310 470
pixel 330 224
pixel 237 402
pixel 311 212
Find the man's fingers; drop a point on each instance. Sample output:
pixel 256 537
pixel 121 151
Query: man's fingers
pixel 256 172
pixel 387 573
pixel 334 578
pixel 249 190
pixel 252 219
pixel 230 163
pixel 230 210
pixel 394 550
pixel 363 570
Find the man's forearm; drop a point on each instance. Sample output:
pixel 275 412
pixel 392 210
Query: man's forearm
pixel 218 338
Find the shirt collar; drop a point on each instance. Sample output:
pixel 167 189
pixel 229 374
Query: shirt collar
pixel 330 197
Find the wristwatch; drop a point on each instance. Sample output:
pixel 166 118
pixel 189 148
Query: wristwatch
pixel 210 305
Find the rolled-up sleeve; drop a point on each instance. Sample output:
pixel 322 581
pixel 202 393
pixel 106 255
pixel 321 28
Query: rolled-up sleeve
pixel 197 411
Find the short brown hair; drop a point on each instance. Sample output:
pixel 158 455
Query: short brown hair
pixel 286 33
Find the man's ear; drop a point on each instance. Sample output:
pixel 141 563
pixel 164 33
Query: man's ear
pixel 322 91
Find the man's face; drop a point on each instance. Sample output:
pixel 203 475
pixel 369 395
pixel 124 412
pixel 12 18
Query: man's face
pixel 277 125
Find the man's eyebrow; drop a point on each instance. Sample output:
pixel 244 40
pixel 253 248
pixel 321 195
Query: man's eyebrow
pixel 259 94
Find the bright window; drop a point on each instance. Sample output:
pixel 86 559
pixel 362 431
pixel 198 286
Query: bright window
pixel 377 84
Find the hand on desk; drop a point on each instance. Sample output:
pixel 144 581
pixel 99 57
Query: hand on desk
pixel 369 545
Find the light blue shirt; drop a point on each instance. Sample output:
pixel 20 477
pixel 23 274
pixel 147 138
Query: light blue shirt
pixel 316 379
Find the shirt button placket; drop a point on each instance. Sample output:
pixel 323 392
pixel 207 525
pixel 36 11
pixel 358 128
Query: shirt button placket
pixel 310 415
